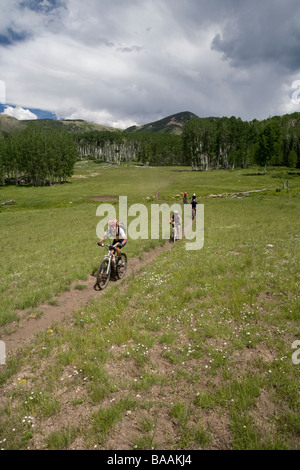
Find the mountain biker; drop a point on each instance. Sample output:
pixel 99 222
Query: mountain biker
pixel 118 234
pixel 176 220
pixel 185 196
pixel 194 206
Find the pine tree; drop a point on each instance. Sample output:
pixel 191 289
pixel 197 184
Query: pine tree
pixel 269 148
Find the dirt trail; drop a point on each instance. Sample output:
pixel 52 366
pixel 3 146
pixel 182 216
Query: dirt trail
pixel 67 303
pixel 70 301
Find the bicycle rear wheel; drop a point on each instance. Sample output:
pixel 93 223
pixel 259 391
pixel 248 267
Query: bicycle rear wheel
pixel 103 275
pixel 121 269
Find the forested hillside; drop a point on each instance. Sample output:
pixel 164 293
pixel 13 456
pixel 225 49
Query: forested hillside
pixel 44 153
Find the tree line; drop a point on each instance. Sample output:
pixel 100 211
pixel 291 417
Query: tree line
pixel 117 147
pixel 37 157
pixel 231 142
pixel 206 143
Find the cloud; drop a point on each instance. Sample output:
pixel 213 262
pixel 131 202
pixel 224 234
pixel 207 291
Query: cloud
pixel 19 113
pixel 134 62
pixel 265 32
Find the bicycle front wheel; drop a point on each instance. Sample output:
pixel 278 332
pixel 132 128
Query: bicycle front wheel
pixel 121 268
pixel 103 274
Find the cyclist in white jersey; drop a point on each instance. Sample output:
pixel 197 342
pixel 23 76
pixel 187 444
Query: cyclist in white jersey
pixel 118 234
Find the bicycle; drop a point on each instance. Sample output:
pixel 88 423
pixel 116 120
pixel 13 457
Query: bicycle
pixel 108 266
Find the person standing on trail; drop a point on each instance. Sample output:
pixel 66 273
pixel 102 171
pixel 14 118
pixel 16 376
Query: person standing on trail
pixel 176 220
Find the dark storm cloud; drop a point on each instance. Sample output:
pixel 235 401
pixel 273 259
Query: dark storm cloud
pixel 262 32
pixel 135 61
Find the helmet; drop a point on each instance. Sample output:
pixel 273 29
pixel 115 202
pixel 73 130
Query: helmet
pixel 194 194
pixel 175 212
pixel 113 222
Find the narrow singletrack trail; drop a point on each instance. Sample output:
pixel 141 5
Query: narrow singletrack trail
pixel 68 302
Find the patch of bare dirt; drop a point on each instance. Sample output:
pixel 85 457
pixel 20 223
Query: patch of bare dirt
pixel 264 413
pixel 104 198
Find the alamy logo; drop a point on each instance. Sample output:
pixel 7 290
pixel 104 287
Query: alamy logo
pixel 296 94
pixel 147 226
pixel 296 354
pixel 2 92
pixel 2 353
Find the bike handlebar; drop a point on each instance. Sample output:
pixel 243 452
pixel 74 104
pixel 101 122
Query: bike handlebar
pixel 111 247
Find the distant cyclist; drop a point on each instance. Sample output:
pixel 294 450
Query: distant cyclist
pixel 119 237
pixel 185 196
pixel 194 197
pixel 194 207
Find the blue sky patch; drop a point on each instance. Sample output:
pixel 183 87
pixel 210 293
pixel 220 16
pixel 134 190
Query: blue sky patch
pixel 40 113
pixel 11 37
pixel 42 5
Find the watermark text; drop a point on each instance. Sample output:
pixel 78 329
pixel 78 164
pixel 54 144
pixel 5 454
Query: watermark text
pixel 2 353
pixel 155 225
pixel 296 354
pixel 2 92
pixel 296 93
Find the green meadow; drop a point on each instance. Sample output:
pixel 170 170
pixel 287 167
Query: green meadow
pixel 195 350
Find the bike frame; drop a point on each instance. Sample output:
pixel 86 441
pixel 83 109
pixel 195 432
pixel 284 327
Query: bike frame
pixel 109 256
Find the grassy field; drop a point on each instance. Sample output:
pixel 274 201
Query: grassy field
pixel 194 351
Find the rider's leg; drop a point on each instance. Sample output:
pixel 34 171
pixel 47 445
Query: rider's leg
pixel 118 250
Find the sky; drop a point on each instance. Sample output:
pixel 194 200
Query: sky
pixel 131 62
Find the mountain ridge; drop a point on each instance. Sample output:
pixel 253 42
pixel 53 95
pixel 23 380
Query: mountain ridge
pixel 172 124
pixel 10 124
